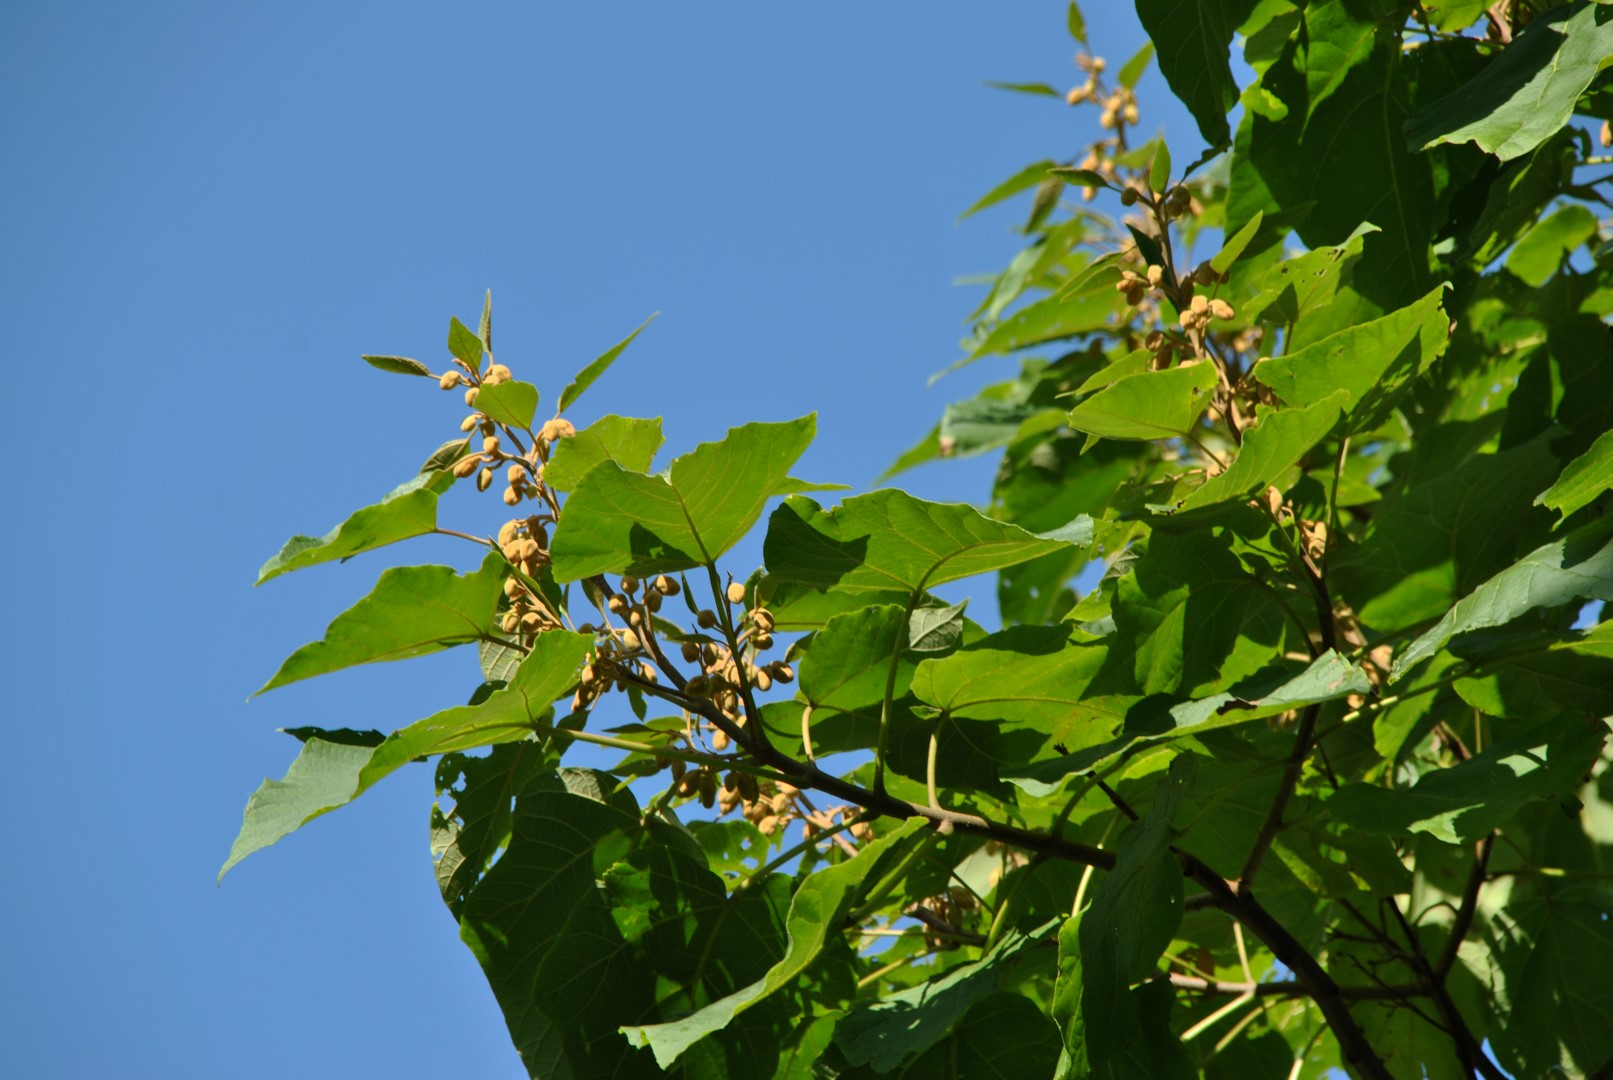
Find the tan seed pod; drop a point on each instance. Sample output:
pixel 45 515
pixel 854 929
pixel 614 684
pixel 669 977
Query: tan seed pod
pixel 697 687
pixel 1199 305
pixel 780 802
pixel 515 476
pixel 511 496
pixel 466 465
pixel 510 622
pixel 630 641
pixel 636 617
pixel 768 825
pixel 736 592
pixel 528 549
pixel 691 652
pixel 652 600
pixel 719 740
pixel 763 681
pixel 513 588
pixel 1221 309
pixel 783 672
pixel 706 618
pixel 484 480
pixel 667 586
pixel 762 619
pixel 630 585
pixel 762 642
pixel 617 605
pixel 508 532
pixel 689 783
pixel 1156 274
pixel 1606 137
pixel 470 397
pixel 1135 294
pixel 498 373
pixel 490 444
pixel 1128 197
pixel 532 622
pixel 1130 114
pixel 469 423
pixel 449 380
pixel 1077 95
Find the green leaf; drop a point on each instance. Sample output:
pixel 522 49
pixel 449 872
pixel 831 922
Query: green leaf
pixel 1572 671
pixel 1556 947
pixel 510 713
pixel 885 546
pixel 1527 93
pixel 1577 567
pixel 511 402
pixel 586 377
pixel 1371 362
pixel 412 611
pixel 467 837
pixel 464 345
pixel 484 329
pixel 885 1032
pixel 936 629
pixel 410 509
pixel 1223 260
pixel 1273 446
pixel 1343 156
pixel 621 521
pixel 1003 1034
pixel 1076 23
pixel 844 673
pixel 817 910
pixel 1079 177
pixel 1049 319
pixel 398 365
pixel 1467 800
pixel 1036 89
pixel 322 778
pixel 1131 72
pixel 1027 684
pixel 1437 541
pixel 446 455
pixel 1151 405
pixel 1295 287
pixel 594 918
pixel 1023 180
pixel 1159 170
pixel 628 441
pixel 1194 39
pixel 1328 678
pixel 1583 480
pixel 1543 248
pixel 326 775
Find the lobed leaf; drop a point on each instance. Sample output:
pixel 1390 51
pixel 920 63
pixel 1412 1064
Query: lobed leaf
pixel 628 441
pixel 1194 39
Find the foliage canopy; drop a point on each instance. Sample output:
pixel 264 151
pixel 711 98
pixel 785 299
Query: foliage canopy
pixel 1315 776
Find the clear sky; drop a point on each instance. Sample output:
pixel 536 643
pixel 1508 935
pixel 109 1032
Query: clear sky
pixel 210 211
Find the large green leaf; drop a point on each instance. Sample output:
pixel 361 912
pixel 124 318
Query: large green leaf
pixel 1557 949
pixel 623 521
pixel 1570 671
pixel 883 1033
pixel 1025 179
pixel 1370 363
pixel 1342 155
pixel 628 441
pixel 1466 801
pixel 1109 1030
pixel 410 509
pixel 1193 38
pixel 1527 93
pixel 588 375
pixel 509 713
pixel 1003 1034
pixel 322 778
pixel 1543 249
pixel 1014 694
pixel 467 837
pixel 1577 567
pixel 1273 446
pixel 594 918
pixel 327 776
pixel 412 611
pixel 1050 319
pixel 1150 405
pixel 885 546
pixel 844 672
pixel 817 911
pixel 1441 539
pixel 1583 480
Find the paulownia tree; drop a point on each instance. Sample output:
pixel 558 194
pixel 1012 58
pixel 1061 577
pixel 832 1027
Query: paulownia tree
pixel 1316 774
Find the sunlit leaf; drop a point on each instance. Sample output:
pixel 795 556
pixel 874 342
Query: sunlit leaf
pixel 588 375
pixel 410 509
pixel 1150 405
pixel 629 442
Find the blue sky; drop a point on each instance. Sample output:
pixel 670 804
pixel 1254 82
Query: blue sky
pixel 210 211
